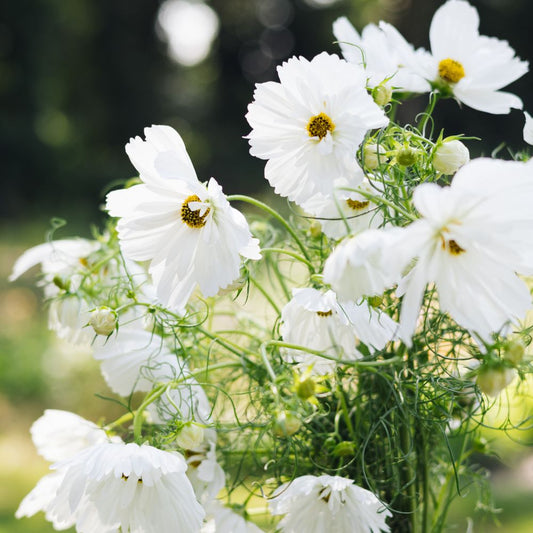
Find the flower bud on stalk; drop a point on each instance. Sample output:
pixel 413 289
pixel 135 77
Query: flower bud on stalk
pixel 190 437
pixel 103 321
pixel 370 156
pixel 286 424
pixel 382 94
pixel 450 156
pixel 492 380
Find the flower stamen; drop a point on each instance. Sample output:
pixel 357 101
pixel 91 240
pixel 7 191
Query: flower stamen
pixel 193 219
pixel 451 71
pixel 329 312
pixel 454 248
pixel 319 125
pixel 356 205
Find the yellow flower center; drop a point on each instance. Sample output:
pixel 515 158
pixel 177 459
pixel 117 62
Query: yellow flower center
pixel 193 219
pixel 356 205
pixel 325 313
pixel 451 71
pixel 319 125
pixel 452 246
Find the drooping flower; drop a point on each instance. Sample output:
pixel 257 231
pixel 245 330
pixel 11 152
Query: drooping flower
pixel 472 239
pixel 177 223
pixel 471 66
pixel 63 266
pixel 361 266
pixel 308 127
pixel 114 486
pixel 317 321
pixel 58 435
pixel 316 504
pixel 345 212
pixel 382 57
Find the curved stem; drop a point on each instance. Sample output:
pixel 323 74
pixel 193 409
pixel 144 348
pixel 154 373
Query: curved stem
pixel 275 214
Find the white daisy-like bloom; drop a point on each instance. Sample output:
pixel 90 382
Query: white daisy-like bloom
pixel 177 223
pixel 315 320
pixel 319 504
pixel 309 125
pixel 221 519
pixel 472 66
pixel 383 55
pixel 361 266
pixel 205 473
pixel 528 128
pixel 345 212
pixel 66 259
pixel 473 238
pixel 58 435
pixel 127 487
pixel 136 359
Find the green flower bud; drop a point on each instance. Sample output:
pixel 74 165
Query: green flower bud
pixel 514 351
pixel 344 449
pixel 382 94
pixel 370 156
pixel 286 424
pixel 306 389
pixel 315 229
pixel 406 156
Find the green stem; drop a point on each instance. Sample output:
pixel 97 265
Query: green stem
pixel 434 97
pixel 290 253
pixel 276 215
pixel 265 294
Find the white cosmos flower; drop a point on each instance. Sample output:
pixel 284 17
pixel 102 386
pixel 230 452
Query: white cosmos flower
pixel 361 266
pixel 177 223
pixel 315 320
pixel 319 504
pixel 58 435
pixel 383 54
pixel 221 519
pixel 528 128
pixel 308 127
pixel 472 239
pixel 345 212
pixel 472 66
pixel 115 486
pixel 135 359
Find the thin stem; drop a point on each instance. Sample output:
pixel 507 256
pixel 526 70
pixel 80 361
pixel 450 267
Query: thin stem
pixel 290 253
pixel 276 215
pixel 265 294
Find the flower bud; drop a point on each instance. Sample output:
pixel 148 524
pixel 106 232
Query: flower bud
pixel 315 229
pixel 382 94
pixel 286 424
pixel 190 437
pixel 306 388
pixel 370 156
pixel 450 156
pixel 492 380
pixel 514 351
pixel 406 156
pixel 344 449
pixel 103 321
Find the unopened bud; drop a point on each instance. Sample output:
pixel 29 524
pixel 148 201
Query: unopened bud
pixel 190 436
pixel 370 156
pixel 514 351
pixel 450 156
pixel 492 380
pixel 344 449
pixel 286 424
pixel 382 94
pixel 315 229
pixel 406 156
pixel 306 388
pixel 103 321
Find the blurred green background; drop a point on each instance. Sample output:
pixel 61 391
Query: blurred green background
pixel 78 78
